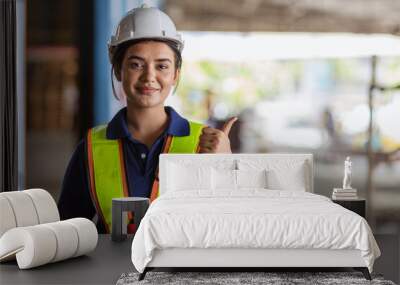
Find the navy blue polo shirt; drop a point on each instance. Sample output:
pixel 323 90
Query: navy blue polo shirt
pixel 140 165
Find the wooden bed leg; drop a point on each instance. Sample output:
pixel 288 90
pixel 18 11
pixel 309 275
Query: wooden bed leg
pixel 143 274
pixel 364 271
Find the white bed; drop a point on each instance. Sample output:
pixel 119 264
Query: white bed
pixel 247 210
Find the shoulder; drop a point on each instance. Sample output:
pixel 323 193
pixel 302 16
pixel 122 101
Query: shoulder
pixel 93 135
pixel 180 126
pixel 96 133
pixel 98 128
pixel 79 152
pixel 195 128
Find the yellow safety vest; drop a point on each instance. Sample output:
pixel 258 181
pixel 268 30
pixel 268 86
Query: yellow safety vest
pixel 106 166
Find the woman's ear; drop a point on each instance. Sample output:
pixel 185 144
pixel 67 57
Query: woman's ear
pixel 176 77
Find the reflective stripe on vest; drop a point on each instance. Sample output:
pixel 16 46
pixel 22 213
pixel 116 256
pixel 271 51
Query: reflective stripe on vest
pixel 107 167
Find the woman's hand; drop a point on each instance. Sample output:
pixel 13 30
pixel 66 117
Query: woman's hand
pixel 215 140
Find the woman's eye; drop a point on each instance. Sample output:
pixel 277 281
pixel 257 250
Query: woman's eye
pixel 135 65
pixel 163 66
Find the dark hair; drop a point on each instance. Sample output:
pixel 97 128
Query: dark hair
pixel 118 56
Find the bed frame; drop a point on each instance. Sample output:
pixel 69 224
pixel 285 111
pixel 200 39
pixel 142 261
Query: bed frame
pixel 246 258
pixel 243 259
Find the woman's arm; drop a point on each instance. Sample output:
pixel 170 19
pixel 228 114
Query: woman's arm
pixel 75 200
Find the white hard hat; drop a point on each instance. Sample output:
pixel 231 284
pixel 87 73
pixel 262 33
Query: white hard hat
pixel 144 23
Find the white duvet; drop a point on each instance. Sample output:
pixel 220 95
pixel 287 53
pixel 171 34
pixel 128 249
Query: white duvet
pixel 252 218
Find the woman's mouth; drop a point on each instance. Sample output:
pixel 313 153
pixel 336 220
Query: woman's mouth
pixel 147 90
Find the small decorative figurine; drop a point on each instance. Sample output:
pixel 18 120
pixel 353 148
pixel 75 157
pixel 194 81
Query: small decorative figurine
pixel 347 174
pixel 347 192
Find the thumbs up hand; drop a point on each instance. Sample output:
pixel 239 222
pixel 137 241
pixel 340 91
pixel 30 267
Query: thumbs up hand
pixel 215 140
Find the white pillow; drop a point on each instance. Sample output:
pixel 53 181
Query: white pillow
pixel 293 179
pixel 251 178
pixel 281 174
pixel 224 179
pixel 182 177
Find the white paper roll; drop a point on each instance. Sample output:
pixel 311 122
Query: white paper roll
pixel 40 244
pixel 87 235
pixel 24 210
pixel 7 217
pixel 45 205
pixel 67 239
pixel 33 246
pixel 10 243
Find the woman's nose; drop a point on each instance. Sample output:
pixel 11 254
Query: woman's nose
pixel 149 74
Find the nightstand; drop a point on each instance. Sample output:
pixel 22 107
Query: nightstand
pixel 120 206
pixel 357 205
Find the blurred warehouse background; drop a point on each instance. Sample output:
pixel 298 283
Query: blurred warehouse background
pixel 319 77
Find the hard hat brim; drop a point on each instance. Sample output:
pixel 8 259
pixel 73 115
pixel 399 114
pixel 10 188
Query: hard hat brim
pixel 113 47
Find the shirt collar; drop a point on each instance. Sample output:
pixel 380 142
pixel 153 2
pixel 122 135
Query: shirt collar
pixel 117 128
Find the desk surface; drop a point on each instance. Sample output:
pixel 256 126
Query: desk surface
pixel 104 265
pixel 110 259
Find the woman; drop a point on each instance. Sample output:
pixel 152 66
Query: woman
pixel 121 158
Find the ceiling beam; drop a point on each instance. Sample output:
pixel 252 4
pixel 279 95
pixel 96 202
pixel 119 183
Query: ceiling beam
pixel 354 16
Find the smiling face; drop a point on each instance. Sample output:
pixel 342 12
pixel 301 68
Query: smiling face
pixel 148 73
